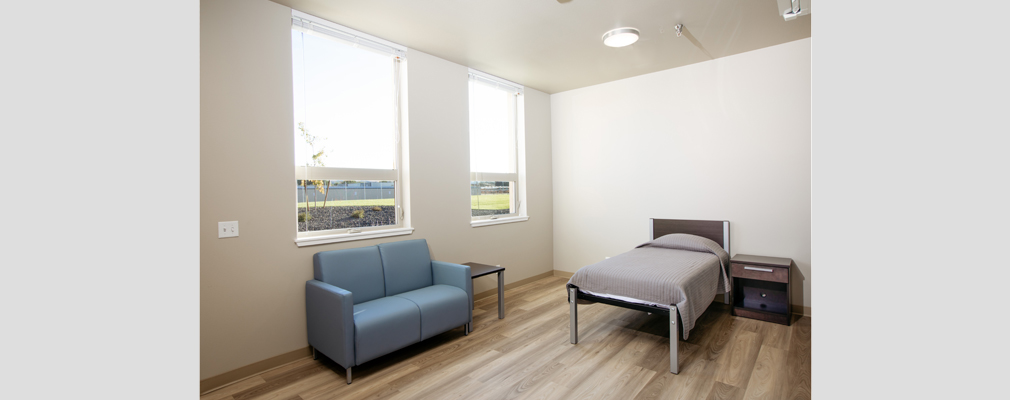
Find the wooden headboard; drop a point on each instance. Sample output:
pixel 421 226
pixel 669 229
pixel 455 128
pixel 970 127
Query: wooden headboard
pixel 717 231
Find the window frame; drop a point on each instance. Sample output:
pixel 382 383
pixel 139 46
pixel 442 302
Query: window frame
pixel 310 24
pixel 517 125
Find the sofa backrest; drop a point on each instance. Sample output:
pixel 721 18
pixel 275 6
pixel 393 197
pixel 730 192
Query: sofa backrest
pixel 358 271
pixel 406 265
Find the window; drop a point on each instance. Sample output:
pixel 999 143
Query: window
pixel 346 133
pixel 497 151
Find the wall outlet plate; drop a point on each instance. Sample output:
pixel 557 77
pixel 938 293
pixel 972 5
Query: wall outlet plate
pixel 227 229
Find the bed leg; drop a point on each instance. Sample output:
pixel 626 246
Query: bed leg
pixel 674 341
pixel 573 316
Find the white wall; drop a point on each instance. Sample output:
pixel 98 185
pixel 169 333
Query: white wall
pixel 727 139
pixel 252 301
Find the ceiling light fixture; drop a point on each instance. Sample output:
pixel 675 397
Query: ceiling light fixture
pixel 620 37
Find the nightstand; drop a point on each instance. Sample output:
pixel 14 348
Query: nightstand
pixel 761 288
pixel 478 270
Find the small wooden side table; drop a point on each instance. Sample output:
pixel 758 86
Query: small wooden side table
pixel 478 270
pixel 761 288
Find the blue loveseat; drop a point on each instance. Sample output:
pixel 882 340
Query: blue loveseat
pixel 367 302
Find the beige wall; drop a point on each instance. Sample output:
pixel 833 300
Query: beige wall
pixel 727 139
pixel 252 287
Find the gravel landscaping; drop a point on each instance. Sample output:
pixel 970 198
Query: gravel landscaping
pixel 481 213
pixel 339 217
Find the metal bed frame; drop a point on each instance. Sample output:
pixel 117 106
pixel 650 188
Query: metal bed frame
pixel 718 231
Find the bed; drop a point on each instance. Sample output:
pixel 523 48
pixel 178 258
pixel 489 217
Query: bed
pixel 676 273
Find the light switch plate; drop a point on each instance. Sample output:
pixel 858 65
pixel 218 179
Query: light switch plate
pixel 227 229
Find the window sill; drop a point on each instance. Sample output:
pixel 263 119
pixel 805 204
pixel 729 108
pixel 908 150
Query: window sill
pixel 499 221
pixel 347 237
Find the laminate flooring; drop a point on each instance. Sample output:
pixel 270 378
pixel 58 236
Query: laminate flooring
pixel 622 354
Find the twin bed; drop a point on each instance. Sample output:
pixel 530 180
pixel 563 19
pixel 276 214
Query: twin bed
pixel 678 273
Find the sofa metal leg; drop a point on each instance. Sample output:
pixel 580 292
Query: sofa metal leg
pixel 314 355
pixel 348 375
pixel 466 329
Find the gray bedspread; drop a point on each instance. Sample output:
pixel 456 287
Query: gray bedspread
pixel 680 269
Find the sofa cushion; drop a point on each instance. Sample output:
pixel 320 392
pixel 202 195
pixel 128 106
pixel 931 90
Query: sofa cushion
pixel 443 307
pixel 384 325
pixel 357 270
pixel 406 265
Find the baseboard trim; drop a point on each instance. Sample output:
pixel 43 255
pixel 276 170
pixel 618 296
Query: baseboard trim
pixel 513 285
pixel 216 382
pixel 563 274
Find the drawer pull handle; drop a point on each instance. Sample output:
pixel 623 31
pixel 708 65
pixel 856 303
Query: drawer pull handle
pixel 759 269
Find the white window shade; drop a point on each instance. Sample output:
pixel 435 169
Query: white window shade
pixel 324 173
pixel 322 28
pixel 496 82
pixel 494 176
pixel 492 127
pixel 497 176
pixel 346 99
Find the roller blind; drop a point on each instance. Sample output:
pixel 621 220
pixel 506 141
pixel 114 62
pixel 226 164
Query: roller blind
pixel 495 82
pixel 346 109
pixel 493 155
pixel 319 27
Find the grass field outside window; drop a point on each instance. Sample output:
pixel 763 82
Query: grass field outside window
pixel 489 202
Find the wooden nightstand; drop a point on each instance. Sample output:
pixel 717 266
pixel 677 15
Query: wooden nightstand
pixel 761 288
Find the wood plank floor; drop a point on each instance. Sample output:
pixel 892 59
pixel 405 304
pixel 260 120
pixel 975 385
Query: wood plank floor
pixel 622 354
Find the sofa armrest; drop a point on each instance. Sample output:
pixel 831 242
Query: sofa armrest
pixel 330 318
pixel 457 275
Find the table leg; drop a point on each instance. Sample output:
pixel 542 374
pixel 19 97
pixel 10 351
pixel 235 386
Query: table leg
pixel 501 294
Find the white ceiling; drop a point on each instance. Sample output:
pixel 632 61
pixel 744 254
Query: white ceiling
pixel 555 45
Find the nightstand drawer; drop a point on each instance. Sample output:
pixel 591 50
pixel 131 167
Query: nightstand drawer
pixel 765 299
pixel 759 272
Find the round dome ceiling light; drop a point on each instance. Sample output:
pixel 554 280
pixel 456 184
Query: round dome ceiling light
pixel 620 37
